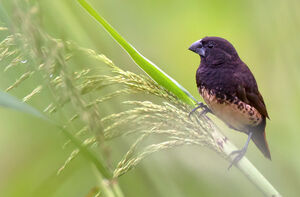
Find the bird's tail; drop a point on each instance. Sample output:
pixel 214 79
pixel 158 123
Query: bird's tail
pixel 259 138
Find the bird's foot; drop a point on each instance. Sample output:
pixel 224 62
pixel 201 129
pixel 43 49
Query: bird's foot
pixel 204 108
pixel 239 155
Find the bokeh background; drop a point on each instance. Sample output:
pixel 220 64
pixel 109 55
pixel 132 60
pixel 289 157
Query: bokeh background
pixel 266 36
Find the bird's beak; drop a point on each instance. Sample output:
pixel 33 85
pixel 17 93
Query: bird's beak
pixel 197 48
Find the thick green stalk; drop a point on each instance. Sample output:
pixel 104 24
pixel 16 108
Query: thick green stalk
pixel 244 165
pixel 149 67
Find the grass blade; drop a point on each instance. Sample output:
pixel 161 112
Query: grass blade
pixel 149 67
pixel 8 101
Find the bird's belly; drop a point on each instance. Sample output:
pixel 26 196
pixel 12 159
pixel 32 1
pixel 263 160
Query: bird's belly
pixel 236 113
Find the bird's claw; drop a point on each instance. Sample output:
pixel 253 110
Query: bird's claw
pixel 240 155
pixel 204 108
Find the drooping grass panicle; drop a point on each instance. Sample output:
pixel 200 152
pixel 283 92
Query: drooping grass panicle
pixel 168 116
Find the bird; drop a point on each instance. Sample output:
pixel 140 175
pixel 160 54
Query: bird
pixel 230 91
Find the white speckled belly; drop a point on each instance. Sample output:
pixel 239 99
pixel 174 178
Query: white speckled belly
pixel 236 114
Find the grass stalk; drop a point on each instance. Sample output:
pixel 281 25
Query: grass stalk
pixel 149 67
pixel 244 165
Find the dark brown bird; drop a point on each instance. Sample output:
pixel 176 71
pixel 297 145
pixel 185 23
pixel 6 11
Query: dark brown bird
pixel 229 89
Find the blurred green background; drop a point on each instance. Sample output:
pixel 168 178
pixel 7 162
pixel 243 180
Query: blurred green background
pixel 266 36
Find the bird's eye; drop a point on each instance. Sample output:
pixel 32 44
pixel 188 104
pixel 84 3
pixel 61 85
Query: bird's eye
pixel 210 45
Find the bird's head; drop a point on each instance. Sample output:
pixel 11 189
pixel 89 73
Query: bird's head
pixel 214 50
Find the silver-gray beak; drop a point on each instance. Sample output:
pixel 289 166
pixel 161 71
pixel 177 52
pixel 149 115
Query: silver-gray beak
pixel 194 46
pixel 198 48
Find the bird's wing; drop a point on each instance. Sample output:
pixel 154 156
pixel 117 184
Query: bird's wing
pixel 257 101
pixel 247 91
pixel 252 98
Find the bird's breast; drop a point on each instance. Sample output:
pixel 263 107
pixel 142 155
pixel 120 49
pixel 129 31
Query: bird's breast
pixel 234 112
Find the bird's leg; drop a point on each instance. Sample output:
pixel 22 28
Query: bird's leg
pixel 240 153
pixel 204 108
